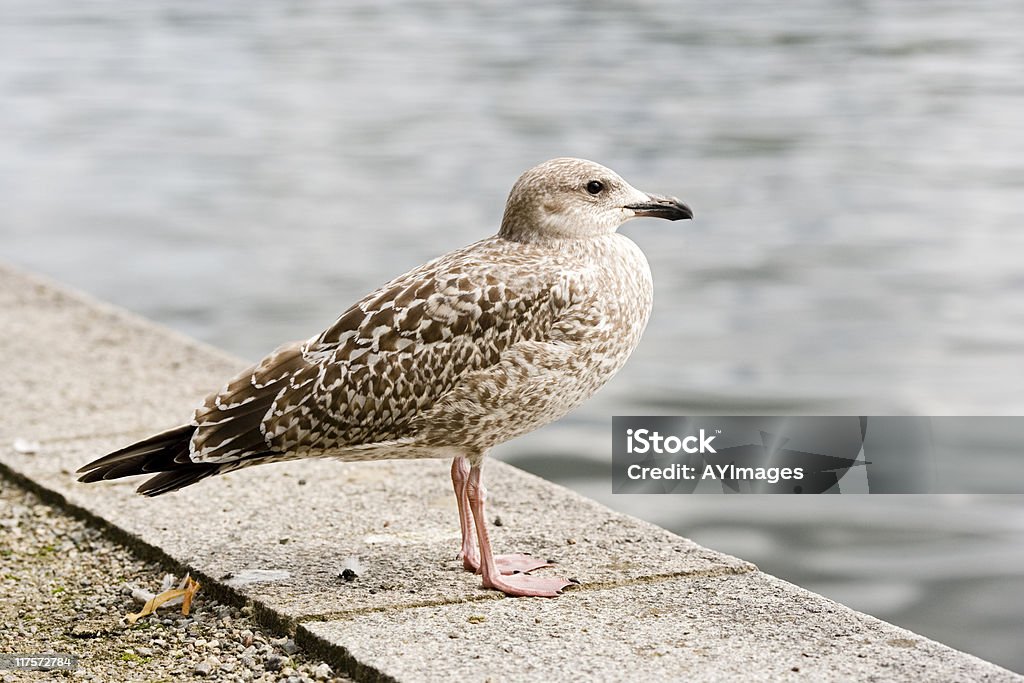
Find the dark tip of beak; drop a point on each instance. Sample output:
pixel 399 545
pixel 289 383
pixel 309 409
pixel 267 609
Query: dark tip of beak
pixel 668 208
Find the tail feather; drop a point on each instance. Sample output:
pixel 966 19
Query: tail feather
pixel 166 453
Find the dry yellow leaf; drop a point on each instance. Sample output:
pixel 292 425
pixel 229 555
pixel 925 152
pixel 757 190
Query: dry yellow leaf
pixel 186 592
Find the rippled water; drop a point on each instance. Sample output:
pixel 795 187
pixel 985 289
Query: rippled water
pixel 243 171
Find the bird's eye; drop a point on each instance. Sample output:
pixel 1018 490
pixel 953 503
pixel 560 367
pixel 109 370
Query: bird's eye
pixel 595 187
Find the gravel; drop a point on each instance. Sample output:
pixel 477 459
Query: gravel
pixel 65 588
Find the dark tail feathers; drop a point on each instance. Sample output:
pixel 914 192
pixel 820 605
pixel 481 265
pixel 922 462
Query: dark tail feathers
pixel 166 452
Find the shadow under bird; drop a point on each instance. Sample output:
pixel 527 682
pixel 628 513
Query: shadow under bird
pixel 462 353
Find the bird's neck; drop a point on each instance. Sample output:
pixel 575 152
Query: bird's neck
pixel 550 230
pixel 572 248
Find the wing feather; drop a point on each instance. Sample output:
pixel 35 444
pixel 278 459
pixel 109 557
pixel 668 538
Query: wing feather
pixel 384 361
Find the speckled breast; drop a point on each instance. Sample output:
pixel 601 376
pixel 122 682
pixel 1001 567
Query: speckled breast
pixel 617 288
pixel 607 290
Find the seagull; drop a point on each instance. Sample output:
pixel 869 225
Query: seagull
pixel 456 356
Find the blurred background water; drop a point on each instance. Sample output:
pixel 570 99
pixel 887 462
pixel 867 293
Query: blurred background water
pixel 242 171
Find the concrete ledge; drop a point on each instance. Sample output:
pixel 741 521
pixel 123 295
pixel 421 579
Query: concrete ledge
pixel 748 627
pixel 87 378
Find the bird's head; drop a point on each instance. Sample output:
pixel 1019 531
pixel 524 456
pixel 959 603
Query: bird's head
pixel 576 198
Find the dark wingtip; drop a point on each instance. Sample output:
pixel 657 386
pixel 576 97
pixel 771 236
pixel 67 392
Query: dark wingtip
pixel 165 482
pixel 91 476
pixel 158 453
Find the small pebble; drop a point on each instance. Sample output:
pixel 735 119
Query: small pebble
pixel 26 446
pixel 206 667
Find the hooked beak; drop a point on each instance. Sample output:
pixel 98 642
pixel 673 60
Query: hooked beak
pixel 657 206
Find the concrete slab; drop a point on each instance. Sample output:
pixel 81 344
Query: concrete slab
pixel 301 521
pixel 751 627
pixel 77 367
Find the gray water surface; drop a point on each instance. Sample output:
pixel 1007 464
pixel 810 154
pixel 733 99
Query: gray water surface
pixel 242 171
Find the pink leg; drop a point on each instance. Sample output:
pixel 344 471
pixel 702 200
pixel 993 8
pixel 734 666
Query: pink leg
pixel 460 476
pixel 516 584
pixel 507 564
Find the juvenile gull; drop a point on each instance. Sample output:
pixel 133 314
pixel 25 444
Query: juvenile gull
pixel 474 348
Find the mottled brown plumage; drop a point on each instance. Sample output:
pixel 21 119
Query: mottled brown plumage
pixel 465 352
